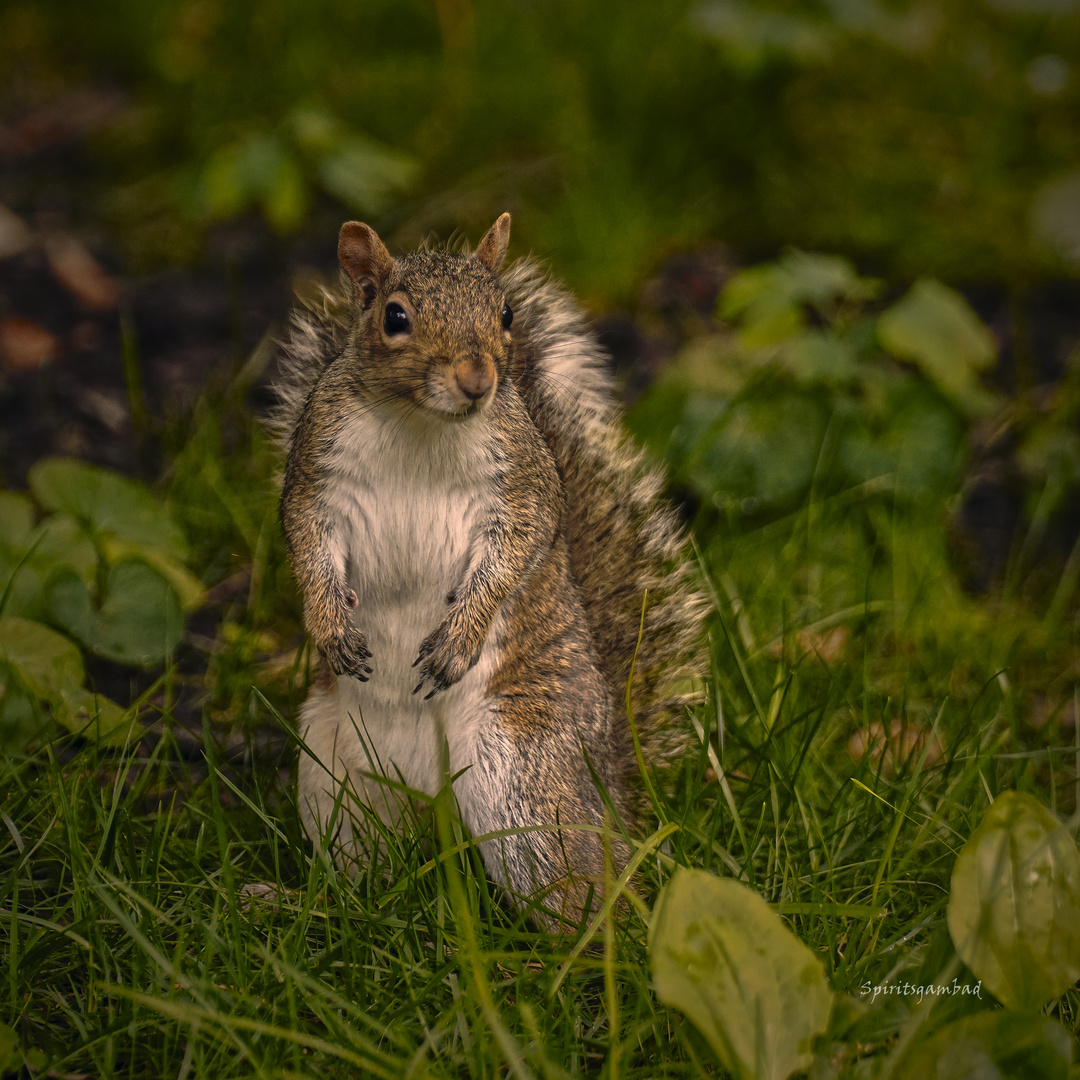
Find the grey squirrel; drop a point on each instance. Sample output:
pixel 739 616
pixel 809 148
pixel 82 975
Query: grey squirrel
pixel 474 538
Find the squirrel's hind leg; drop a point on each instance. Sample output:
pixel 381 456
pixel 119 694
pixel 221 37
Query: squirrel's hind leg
pixel 560 843
pixel 344 805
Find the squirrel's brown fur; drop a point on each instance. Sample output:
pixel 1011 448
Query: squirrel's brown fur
pixel 575 535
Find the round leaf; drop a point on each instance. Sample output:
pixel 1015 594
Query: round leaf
pixel 43 661
pixel 764 447
pixel 999 1044
pixel 81 710
pixel 58 543
pixel 16 519
pixel 755 991
pixel 934 327
pixel 1014 904
pixel 107 502
pixel 139 621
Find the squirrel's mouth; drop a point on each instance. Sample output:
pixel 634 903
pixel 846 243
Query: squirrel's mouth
pixel 466 411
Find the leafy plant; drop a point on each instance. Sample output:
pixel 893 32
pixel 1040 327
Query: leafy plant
pixel 812 387
pixel 755 991
pixel 759 996
pixel 1014 907
pixel 103 568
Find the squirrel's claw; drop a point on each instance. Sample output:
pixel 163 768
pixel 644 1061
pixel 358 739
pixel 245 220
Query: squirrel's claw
pixel 444 658
pixel 348 654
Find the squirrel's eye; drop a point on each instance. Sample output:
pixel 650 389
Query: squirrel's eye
pixel 396 320
pixel 507 316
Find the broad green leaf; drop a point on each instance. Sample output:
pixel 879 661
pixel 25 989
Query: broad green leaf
pixel 996 1045
pixel 768 300
pixel 22 715
pixel 187 586
pixel 763 447
pixel 58 543
pixel 16 519
pixel 261 167
pixel 934 328
pixel 81 710
pixel 138 622
pixel 363 174
pixel 45 662
pixel 765 309
pixel 224 184
pixel 108 503
pixel 61 541
pixel 1014 904
pixel 818 357
pixel 314 130
pixel 10 1058
pixel 285 201
pixel 755 991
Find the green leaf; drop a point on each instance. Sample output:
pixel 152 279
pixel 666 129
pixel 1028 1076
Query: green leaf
pixel 934 328
pixel 48 666
pixel 996 1045
pixel 225 187
pixel 285 201
pixel 58 543
pixel 763 447
pixel 139 622
pixel 913 434
pixel 45 662
pixel 107 503
pixel 819 357
pixel 81 710
pixel 10 1058
pixel 22 715
pixel 188 587
pixel 1014 904
pixel 16 519
pixel 755 991
pixel 365 175
pixel 768 300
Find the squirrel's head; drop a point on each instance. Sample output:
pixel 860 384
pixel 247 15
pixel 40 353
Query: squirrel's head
pixel 434 326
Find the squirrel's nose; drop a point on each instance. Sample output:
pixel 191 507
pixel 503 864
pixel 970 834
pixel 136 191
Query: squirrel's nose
pixel 475 383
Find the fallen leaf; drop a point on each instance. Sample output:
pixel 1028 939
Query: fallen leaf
pixel 70 117
pixel 80 273
pixel 25 346
pixel 903 744
pixel 827 645
pixel 15 235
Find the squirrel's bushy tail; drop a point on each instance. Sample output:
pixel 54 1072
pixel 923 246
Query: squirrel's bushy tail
pixel 625 539
pixel 318 329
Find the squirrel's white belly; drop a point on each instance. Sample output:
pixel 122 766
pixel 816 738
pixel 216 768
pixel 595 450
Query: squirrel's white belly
pixel 406 546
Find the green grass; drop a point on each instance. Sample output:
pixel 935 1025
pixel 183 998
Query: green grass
pixel 133 943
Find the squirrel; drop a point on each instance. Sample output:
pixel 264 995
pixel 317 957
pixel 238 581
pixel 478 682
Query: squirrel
pixel 486 565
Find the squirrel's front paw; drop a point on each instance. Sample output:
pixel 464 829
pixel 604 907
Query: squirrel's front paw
pixel 348 654
pixel 444 659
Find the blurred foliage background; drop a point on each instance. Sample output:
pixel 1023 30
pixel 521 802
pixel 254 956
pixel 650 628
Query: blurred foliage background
pixel 921 136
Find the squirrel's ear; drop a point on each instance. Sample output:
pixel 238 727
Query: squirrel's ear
pixel 492 249
pixel 364 257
